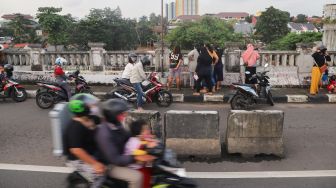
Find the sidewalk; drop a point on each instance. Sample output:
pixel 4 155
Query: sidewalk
pixel 280 95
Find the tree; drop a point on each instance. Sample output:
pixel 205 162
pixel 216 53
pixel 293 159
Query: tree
pixel 145 30
pixel 249 18
pixel 55 25
pixel 301 18
pixel 106 25
pixel 208 30
pixel 23 30
pixel 289 41
pixel 272 25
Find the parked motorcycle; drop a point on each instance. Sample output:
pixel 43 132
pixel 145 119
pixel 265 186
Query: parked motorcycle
pixel 51 93
pixel 13 90
pixel 248 95
pixel 152 88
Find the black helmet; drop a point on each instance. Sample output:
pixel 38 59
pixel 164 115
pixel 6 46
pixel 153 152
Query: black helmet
pixel 132 58
pixel 81 104
pixel 145 61
pixel 8 67
pixel 112 108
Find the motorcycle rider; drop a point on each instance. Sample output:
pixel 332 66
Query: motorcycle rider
pixel 132 58
pixel 111 138
pixel 9 70
pixel 137 76
pixel 60 76
pixel 79 142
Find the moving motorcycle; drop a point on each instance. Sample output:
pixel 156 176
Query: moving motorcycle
pixel 247 95
pixel 152 88
pixel 166 172
pixel 51 93
pixel 13 90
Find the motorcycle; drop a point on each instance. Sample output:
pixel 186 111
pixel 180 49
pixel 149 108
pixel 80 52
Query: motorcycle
pixel 152 88
pixel 51 93
pixel 166 172
pixel 13 90
pixel 248 95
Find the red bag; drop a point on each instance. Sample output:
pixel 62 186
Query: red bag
pixel 323 68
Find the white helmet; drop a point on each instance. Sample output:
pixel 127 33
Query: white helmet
pixel 1 47
pixel 60 61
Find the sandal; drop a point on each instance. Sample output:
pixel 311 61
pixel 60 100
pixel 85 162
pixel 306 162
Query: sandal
pixel 196 94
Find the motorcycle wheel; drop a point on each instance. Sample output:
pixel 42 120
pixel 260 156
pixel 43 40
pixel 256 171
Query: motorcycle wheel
pixel 164 98
pixel 20 95
pixel 44 100
pixel 239 102
pixel 270 99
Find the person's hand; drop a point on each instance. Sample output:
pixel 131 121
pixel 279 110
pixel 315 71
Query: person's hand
pixel 99 168
pixel 144 158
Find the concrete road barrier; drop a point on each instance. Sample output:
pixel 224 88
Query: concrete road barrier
pixel 255 132
pixel 193 133
pixel 152 117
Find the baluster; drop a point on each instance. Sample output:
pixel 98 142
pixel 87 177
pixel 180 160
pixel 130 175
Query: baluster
pixel 284 60
pixel 271 62
pixel 277 60
pixel 292 60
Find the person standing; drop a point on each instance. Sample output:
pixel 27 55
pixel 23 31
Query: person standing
pixel 192 57
pixel 203 71
pixel 250 57
pixel 175 61
pixel 132 58
pixel 320 64
pixel 218 69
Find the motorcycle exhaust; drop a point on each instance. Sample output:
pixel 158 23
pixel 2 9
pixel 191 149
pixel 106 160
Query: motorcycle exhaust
pixel 120 96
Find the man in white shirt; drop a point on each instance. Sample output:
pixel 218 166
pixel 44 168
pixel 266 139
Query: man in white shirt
pixel 132 58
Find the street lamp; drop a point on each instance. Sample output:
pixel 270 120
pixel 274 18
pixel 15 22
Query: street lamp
pixel 162 37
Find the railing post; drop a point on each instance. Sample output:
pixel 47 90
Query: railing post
pixel 35 60
pixel 97 56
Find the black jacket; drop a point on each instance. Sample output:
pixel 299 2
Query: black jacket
pixel 204 63
pixel 320 58
pixel 111 142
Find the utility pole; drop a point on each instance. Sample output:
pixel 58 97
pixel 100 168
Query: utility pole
pixel 162 28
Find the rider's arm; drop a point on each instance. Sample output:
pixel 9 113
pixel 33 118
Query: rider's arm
pixel 109 149
pixel 141 71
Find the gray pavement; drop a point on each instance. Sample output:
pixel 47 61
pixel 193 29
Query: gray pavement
pixel 309 136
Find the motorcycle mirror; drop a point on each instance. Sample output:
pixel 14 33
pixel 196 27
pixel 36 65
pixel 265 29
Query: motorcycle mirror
pixel 266 65
pixel 247 72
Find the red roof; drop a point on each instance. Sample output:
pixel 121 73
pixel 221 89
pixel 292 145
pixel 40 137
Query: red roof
pixel 238 15
pixel 13 16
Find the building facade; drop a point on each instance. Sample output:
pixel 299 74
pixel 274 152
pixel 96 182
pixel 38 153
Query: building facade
pixel 187 7
pixel 170 11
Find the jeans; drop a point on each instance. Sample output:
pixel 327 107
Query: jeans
pixel 66 88
pixel 140 94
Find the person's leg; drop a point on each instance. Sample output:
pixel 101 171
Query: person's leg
pixel 67 89
pixel 133 177
pixel 192 80
pixel 140 95
pixel 315 79
pixel 178 78
pixel 87 172
pixel 198 85
pixel 170 78
pixel 208 83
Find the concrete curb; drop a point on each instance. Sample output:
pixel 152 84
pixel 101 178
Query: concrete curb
pixel 325 98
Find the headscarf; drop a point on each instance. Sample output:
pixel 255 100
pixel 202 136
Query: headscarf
pixel 250 56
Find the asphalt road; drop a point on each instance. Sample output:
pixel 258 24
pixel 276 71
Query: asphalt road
pixel 309 138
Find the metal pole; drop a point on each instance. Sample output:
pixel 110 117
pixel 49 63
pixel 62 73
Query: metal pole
pixel 162 37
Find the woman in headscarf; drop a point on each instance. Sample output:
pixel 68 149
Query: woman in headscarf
pixel 203 71
pixel 320 59
pixel 250 57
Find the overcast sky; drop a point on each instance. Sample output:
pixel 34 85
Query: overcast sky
pixel 138 8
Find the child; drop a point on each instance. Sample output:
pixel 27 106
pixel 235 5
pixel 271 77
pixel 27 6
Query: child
pixel 332 84
pixel 141 139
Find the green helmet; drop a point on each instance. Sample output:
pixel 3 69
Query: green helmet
pixel 80 104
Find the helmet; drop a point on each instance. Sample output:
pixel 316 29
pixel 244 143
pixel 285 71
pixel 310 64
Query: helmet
pixel 1 47
pixel 112 108
pixel 81 104
pixel 322 47
pixel 8 67
pixel 132 57
pixel 60 61
pixel 145 61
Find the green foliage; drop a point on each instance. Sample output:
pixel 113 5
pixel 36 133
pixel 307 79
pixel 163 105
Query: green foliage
pixel 249 19
pixel 105 25
pixel 145 27
pixel 22 30
pixel 301 18
pixel 54 25
pixel 207 30
pixel 289 41
pixel 272 25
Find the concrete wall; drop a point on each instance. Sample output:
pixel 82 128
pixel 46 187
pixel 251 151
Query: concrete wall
pixel 255 132
pixel 193 133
